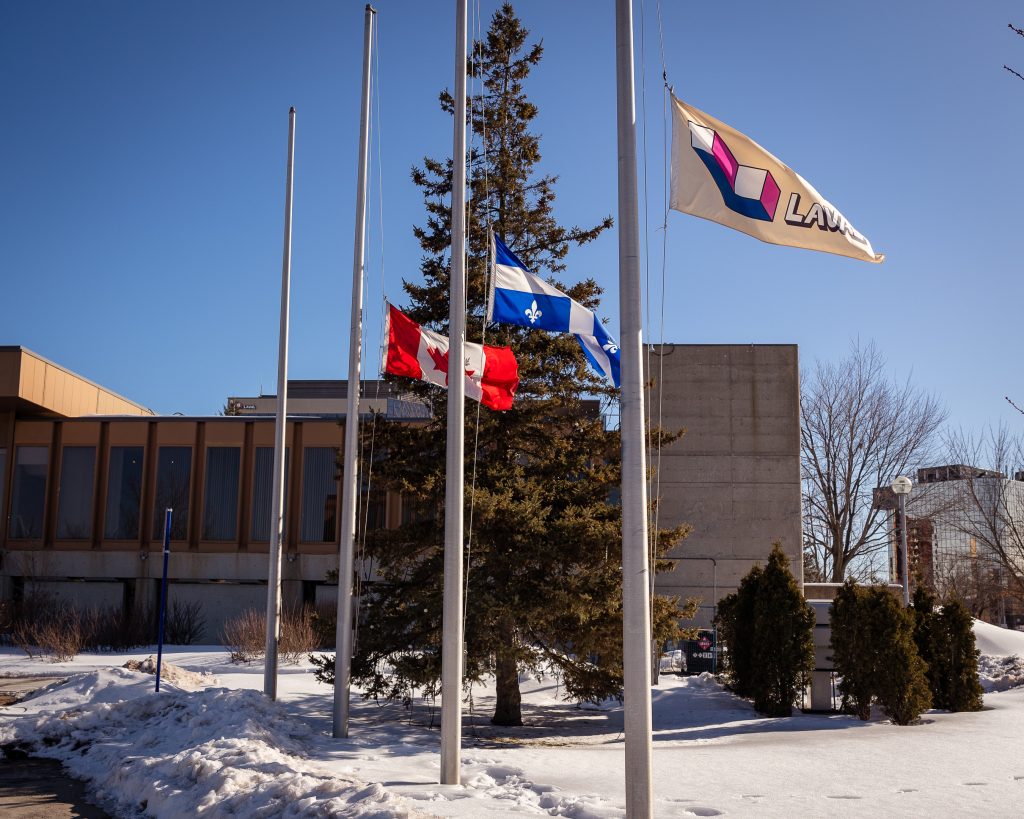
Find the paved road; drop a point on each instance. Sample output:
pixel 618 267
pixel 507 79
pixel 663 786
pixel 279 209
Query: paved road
pixel 38 788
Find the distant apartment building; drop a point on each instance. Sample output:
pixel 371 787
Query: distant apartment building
pixel 959 518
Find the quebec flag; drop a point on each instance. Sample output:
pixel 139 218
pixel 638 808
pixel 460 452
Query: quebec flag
pixel 519 297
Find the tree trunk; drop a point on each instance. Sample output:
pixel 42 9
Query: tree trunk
pixel 838 564
pixel 508 702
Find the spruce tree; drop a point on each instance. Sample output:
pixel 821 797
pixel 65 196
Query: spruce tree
pixel 783 640
pixel 543 568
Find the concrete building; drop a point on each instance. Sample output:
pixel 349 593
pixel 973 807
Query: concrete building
pixel 327 399
pixel 85 476
pixel 735 475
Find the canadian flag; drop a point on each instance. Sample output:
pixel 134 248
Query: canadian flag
pixel 492 373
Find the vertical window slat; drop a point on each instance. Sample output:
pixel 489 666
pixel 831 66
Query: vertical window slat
pixel 319 494
pixel 173 479
pixel 220 505
pixel 263 490
pixel 124 493
pixel 28 497
pixel 74 510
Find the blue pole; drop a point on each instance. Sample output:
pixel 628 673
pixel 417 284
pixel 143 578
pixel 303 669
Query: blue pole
pixel 163 595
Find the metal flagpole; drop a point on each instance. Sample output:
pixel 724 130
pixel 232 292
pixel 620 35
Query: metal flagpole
pixel 451 640
pixel 277 502
pixel 636 618
pixel 350 484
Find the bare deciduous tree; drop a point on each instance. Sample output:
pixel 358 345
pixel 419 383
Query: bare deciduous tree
pixel 858 430
pixel 1020 31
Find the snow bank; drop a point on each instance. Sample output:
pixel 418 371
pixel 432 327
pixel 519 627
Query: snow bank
pixel 1001 664
pixel 996 641
pixel 232 752
pixel 215 752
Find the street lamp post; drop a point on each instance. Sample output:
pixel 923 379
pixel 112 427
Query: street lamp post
pixel 901 486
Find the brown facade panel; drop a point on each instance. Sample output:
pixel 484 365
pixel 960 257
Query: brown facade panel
pixel 10 372
pixel 197 437
pixel 41 387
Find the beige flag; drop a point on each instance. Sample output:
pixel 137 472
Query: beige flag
pixel 722 175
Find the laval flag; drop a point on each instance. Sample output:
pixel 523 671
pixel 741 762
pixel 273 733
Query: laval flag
pixel 492 373
pixel 519 297
pixel 722 175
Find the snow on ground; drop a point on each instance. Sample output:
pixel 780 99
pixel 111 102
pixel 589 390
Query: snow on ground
pixel 1001 665
pixel 995 641
pixel 226 750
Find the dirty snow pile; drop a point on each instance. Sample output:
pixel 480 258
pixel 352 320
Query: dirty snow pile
pixel 174 754
pixel 172 674
pixel 1000 673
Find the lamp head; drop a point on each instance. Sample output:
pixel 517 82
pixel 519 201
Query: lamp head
pixel 902 485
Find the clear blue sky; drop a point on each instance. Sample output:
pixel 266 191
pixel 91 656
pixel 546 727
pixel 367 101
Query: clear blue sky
pixel 143 170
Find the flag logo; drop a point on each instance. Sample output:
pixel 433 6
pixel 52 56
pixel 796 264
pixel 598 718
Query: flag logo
pixel 749 191
pixel 721 174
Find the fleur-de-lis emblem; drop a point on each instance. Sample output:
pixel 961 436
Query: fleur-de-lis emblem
pixel 611 347
pixel 533 313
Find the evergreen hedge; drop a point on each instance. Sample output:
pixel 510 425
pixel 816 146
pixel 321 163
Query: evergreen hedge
pixel 876 656
pixel 735 621
pixel 769 630
pixel 945 640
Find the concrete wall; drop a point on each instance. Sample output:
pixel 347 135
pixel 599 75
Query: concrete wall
pixel 735 475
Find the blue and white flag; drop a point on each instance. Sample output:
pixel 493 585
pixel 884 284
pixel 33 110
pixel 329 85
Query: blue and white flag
pixel 519 297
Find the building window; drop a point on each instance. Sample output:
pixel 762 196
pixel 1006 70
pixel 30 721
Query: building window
pixel 263 492
pixel 124 493
pixel 28 497
pixel 74 511
pixel 173 478
pixel 220 506
pixel 319 494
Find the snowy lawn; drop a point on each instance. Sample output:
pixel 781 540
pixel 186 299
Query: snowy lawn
pixel 210 744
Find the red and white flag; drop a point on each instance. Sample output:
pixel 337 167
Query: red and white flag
pixel 492 373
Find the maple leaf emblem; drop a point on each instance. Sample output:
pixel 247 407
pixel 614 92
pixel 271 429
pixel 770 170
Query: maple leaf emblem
pixel 440 361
